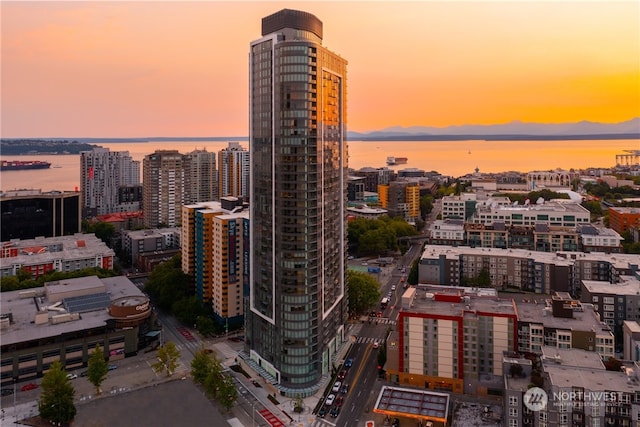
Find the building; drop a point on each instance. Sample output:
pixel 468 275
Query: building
pixel 234 171
pixel 298 303
pixel 217 255
pixel 562 322
pixel 448 231
pixel 554 213
pixel 27 214
pixel 401 199
pixel 426 408
pixel 102 175
pixel 355 189
pixel 615 302
pixel 374 177
pixel 200 176
pixel 631 340
pixel 43 255
pixel 163 188
pixel 366 212
pixel 552 180
pixel 452 340
pixel 65 320
pixel 575 389
pixel 621 219
pixel 143 244
pixel 511 269
pixel 581 392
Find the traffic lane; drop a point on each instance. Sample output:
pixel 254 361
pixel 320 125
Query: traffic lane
pixel 362 393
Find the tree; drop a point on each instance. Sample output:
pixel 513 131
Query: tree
pixel 201 365
pixel 363 292
pixel 168 284
pixel 103 231
pixel 188 309
pixel 56 399
pixel 97 368
pixel 227 392
pixel 206 325
pixel 168 356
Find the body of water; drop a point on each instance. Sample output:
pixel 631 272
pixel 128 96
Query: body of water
pixel 454 158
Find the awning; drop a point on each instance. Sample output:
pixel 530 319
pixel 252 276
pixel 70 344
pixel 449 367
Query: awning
pixel 153 333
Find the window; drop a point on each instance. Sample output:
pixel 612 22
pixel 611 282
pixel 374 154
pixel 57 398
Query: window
pixel 513 412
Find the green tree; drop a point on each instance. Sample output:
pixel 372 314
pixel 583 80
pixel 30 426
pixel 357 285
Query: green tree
pixel 56 399
pixel 188 309
pixel 168 284
pixel 168 356
pixel 205 325
pixel 104 231
pixel 363 292
pixel 201 365
pixel 227 392
pixel 97 368
pixel 426 205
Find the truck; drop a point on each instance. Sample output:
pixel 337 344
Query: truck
pixel 384 302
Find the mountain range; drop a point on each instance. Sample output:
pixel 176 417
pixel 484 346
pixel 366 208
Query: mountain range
pixel 513 130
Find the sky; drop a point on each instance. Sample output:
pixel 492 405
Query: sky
pixel 141 69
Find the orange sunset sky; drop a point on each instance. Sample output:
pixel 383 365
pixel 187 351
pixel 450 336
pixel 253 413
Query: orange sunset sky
pixel 137 69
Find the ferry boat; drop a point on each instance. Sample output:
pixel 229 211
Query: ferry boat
pixel 391 160
pixel 15 165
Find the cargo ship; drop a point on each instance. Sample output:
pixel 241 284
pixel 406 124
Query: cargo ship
pixel 391 160
pixel 16 165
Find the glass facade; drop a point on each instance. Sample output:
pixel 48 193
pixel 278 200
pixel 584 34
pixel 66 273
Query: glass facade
pixel 298 212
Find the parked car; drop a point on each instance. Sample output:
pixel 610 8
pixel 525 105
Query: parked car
pixel 72 376
pixel 112 367
pixel 7 391
pixel 348 363
pixel 335 411
pixel 330 399
pixel 322 412
pixel 339 400
pixel 336 387
pixel 344 389
pixel 29 386
pixel 342 374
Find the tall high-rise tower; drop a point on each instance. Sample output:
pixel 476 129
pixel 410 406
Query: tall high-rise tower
pixel 298 303
pixel 103 174
pixel 234 171
pixel 163 188
pixel 200 177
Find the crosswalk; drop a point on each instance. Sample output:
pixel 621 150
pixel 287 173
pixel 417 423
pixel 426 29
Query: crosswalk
pixel 367 340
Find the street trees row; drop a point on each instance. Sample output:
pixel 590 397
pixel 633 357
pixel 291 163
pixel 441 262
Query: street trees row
pixel 207 371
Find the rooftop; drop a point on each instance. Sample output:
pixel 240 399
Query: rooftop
pixel 628 285
pixel 552 356
pixel 584 320
pixel 412 403
pixel 25 304
pixel 455 302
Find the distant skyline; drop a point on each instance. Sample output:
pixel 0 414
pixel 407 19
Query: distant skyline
pixel 139 69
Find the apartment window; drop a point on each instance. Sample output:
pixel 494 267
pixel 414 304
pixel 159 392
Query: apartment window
pixel 513 423
pixel 513 412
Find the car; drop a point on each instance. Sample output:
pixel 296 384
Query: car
pixel 29 386
pixel 393 287
pixel 322 412
pixel 335 411
pixel 336 387
pixel 330 399
pixel 342 374
pixel 348 363
pixel 112 367
pixel 376 344
pixel 339 400
pixel 72 376
pixel 344 389
pixel 396 422
pixel 7 391
pixel 83 373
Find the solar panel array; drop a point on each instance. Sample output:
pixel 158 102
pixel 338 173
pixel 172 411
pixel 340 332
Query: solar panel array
pixel 416 403
pixel 84 303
